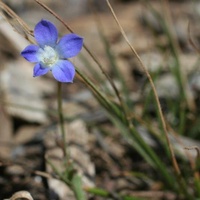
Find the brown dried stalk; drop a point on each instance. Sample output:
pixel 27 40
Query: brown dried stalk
pixel 14 16
pixel 176 167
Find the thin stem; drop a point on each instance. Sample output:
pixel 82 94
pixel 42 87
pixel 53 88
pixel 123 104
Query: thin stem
pixel 14 16
pixel 61 119
pixel 152 86
pixel 172 154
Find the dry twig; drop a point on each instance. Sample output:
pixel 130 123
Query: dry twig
pixel 21 195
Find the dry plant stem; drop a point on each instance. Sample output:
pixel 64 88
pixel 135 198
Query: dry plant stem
pixel 176 47
pixel 61 120
pixel 174 161
pixel 92 87
pixel 12 14
pixel 100 27
pixel 89 52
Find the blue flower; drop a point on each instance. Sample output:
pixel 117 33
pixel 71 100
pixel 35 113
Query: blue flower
pixel 51 54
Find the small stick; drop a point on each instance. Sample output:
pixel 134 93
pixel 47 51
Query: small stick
pixel 21 195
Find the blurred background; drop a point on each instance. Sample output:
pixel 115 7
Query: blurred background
pixel 166 35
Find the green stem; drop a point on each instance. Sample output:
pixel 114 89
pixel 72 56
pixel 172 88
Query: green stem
pixel 61 120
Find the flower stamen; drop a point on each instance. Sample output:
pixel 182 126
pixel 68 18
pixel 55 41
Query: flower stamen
pixel 48 56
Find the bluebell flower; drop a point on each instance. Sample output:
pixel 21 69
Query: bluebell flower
pixel 51 54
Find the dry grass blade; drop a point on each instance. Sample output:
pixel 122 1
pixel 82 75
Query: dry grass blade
pixel 26 30
pixel 180 178
pixel 175 164
pixel 21 195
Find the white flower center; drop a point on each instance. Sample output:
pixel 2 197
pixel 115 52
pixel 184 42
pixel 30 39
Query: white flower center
pixel 48 56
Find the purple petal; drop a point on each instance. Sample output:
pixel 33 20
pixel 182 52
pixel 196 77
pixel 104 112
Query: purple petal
pixel 30 53
pixel 69 46
pixel 39 70
pixel 46 33
pixel 63 71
